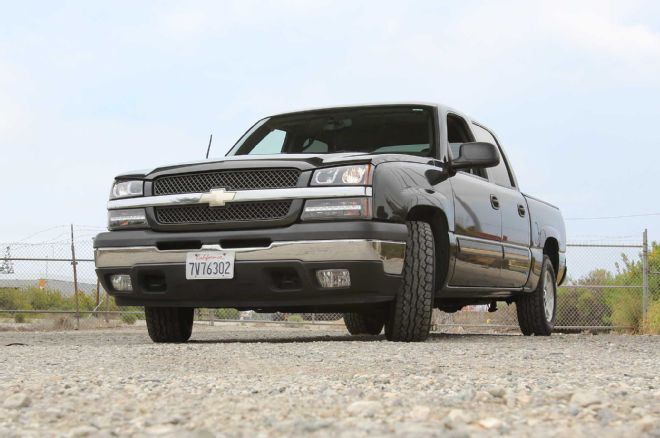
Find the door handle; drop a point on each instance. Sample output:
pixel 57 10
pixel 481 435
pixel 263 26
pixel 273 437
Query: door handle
pixel 521 210
pixel 494 202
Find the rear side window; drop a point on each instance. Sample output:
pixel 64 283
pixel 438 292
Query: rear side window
pixel 500 173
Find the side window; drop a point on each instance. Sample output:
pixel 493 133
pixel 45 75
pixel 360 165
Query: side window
pixel 457 134
pixel 500 173
pixel 272 143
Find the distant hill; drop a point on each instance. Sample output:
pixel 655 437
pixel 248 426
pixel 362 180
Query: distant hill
pixel 66 287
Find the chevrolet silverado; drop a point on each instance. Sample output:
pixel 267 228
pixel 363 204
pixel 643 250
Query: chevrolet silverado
pixel 381 212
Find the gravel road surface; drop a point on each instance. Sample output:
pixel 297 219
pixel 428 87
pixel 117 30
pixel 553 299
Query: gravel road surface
pixel 278 381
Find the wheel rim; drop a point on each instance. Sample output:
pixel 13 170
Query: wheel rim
pixel 548 296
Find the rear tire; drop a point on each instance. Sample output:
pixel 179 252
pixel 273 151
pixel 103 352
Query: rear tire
pixel 364 323
pixel 409 319
pixel 537 310
pixel 169 324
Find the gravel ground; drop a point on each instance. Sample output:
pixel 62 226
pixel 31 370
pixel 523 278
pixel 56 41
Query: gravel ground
pixel 279 381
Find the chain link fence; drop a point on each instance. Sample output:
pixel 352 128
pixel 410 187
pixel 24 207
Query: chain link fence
pixel 609 286
pixel 53 283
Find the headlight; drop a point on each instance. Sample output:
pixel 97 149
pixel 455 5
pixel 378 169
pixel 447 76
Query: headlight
pixel 126 189
pixel 356 175
pixel 124 219
pixel 338 208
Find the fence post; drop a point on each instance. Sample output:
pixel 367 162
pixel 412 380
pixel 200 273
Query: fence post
pixel 645 276
pixel 107 306
pixel 75 278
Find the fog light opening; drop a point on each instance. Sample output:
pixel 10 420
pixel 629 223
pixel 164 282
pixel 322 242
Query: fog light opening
pixel 121 282
pixel 333 278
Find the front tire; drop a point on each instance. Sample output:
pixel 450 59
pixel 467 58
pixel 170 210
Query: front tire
pixel 409 318
pixel 364 323
pixel 537 310
pixel 169 324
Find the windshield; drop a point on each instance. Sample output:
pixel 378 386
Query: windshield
pixel 379 130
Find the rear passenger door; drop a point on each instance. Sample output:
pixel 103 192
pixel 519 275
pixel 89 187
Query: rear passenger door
pixel 515 217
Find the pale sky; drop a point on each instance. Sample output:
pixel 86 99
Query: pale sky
pixel 92 89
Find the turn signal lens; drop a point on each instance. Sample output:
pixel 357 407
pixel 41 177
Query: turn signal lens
pixel 340 208
pixel 131 218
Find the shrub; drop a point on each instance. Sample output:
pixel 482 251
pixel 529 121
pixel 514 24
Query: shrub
pixel 232 314
pixel 11 299
pixel 627 309
pixel 652 325
pixel 581 307
pixel 20 318
pixel 48 299
pixel 295 318
pixel 129 318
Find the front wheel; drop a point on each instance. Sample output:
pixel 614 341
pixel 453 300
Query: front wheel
pixel 409 318
pixel 364 323
pixel 536 310
pixel 169 324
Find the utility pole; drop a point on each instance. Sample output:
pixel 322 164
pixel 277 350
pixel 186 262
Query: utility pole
pixel 645 275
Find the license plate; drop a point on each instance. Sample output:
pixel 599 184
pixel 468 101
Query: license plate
pixel 207 265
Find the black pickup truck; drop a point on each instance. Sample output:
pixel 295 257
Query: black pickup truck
pixel 382 212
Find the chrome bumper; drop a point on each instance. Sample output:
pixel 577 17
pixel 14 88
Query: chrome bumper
pixel 390 253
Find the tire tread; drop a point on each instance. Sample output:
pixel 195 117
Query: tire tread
pixel 364 323
pixel 169 324
pixel 411 311
pixel 530 307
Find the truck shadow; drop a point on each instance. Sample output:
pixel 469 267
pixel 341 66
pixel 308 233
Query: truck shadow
pixel 343 338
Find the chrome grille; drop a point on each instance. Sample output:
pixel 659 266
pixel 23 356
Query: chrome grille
pixel 239 212
pixel 249 179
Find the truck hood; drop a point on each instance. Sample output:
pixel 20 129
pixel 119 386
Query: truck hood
pixel 300 161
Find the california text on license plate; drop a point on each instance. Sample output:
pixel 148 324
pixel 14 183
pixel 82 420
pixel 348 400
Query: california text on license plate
pixel 210 265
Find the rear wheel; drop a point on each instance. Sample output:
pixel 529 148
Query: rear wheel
pixel 409 319
pixel 169 324
pixel 536 310
pixel 364 323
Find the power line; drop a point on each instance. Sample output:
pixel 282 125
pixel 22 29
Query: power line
pixel 610 217
pixel 39 232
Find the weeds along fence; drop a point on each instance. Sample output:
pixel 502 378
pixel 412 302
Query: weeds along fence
pixel 610 285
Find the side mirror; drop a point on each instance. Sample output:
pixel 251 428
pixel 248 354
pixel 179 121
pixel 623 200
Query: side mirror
pixel 476 155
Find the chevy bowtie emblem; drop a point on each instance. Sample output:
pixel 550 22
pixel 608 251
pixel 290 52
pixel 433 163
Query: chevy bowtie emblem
pixel 217 197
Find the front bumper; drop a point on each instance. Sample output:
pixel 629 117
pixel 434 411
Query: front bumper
pixel 280 274
pixel 389 253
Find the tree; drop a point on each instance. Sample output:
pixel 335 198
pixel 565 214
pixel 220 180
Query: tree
pixel 7 266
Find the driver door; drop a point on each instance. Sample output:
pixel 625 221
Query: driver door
pixel 477 219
